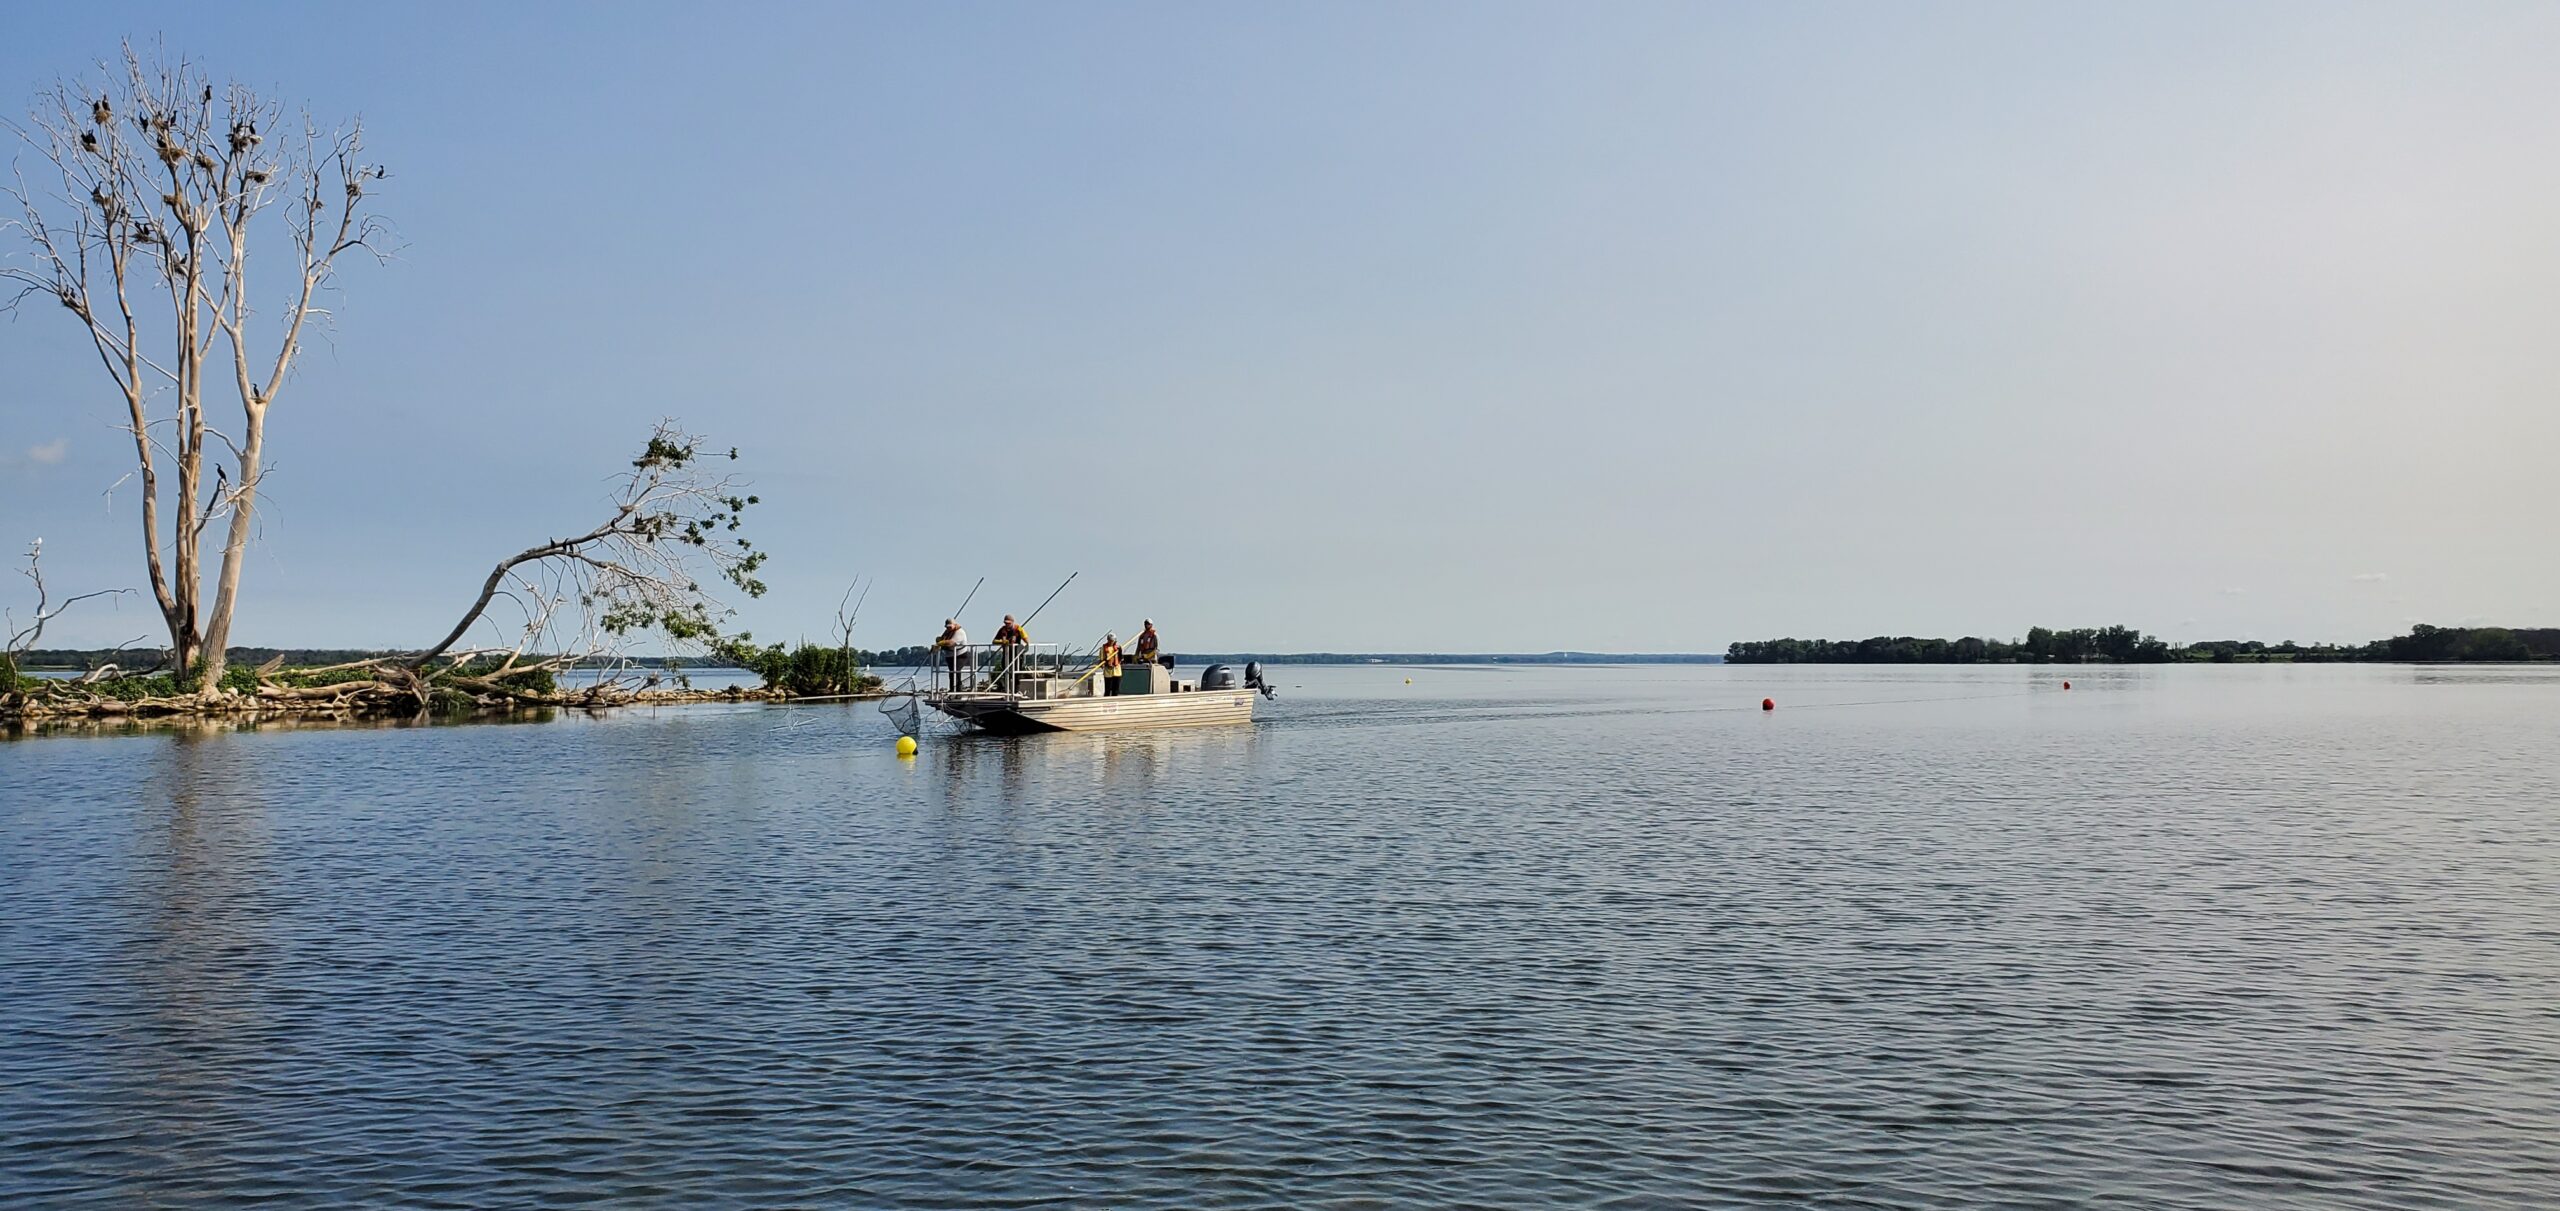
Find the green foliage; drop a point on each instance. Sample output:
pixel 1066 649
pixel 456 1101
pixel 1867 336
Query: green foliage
pixel 2491 643
pixel 237 678
pixel 806 671
pixel 530 681
pixel 2116 643
pixel 707 519
pixel 135 689
pixel 2428 643
pixel 8 674
pixel 331 676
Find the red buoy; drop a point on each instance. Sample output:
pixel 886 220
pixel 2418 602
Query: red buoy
pixel 2066 685
pixel 1768 704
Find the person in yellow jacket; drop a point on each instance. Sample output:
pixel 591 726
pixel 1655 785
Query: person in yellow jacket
pixel 1011 639
pixel 1109 659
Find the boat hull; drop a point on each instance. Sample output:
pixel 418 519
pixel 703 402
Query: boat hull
pixel 1009 716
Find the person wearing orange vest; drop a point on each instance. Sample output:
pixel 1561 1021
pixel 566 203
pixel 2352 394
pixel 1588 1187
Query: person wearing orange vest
pixel 1109 658
pixel 1148 644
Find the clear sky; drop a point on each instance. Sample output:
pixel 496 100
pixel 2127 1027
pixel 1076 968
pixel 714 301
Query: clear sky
pixel 1408 326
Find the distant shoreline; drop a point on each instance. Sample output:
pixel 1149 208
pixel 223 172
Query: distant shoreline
pixel 2424 645
pixel 2124 645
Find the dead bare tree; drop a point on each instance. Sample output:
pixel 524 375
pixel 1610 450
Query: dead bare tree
pixel 23 639
pixel 162 185
pixel 675 523
pixel 845 620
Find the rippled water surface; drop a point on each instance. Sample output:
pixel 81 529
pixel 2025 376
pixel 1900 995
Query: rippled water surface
pixel 2193 937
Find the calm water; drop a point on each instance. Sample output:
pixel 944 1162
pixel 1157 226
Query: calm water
pixel 2200 937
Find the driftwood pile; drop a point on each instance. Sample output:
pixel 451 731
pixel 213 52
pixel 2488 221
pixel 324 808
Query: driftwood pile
pixel 389 691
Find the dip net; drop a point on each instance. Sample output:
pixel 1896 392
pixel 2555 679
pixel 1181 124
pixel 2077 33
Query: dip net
pixel 904 708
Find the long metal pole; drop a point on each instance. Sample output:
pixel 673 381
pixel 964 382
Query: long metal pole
pixel 1025 624
pixel 973 596
pixel 954 616
pixel 1053 596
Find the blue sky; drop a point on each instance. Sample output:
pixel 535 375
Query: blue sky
pixel 1410 327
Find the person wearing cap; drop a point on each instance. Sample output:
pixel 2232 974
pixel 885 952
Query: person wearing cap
pixel 1011 639
pixel 953 643
pixel 1109 658
pixel 1148 644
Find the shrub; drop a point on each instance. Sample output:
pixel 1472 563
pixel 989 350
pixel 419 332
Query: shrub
pixel 528 681
pixel 806 671
pixel 297 677
pixel 134 689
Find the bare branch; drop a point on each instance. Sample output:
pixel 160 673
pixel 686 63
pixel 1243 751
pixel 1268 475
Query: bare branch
pixel 674 524
pixel 144 230
pixel 24 639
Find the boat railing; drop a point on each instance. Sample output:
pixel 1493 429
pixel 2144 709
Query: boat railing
pixel 1021 669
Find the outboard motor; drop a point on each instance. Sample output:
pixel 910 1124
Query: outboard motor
pixel 1253 679
pixel 1217 677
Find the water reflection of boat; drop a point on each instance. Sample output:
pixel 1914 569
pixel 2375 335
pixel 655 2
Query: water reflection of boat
pixel 1030 689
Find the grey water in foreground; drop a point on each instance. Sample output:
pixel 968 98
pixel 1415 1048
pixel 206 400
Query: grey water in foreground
pixel 2177 937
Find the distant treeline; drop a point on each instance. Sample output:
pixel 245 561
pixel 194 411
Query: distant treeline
pixel 2124 645
pixel 85 659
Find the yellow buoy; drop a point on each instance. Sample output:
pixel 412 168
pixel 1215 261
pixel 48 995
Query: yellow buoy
pixel 906 746
pixel 1408 681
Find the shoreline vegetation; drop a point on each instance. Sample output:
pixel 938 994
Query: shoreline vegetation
pixel 379 689
pixel 70 684
pixel 2123 645
pixel 168 192
pixel 312 683
pixel 39 686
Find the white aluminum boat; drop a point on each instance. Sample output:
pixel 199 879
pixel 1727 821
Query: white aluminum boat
pixel 1031 688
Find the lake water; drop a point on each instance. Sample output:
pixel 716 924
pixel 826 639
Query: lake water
pixel 2177 937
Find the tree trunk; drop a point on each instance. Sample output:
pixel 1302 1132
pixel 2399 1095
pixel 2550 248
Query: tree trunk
pixel 181 644
pixel 159 177
pixel 217 633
